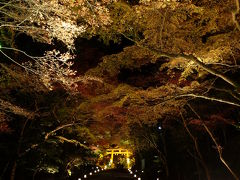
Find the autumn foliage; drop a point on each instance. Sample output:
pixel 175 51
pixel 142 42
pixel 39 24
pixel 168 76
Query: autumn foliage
pixel 165 85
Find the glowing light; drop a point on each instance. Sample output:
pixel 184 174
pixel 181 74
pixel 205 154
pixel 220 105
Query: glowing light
pixel 85 176
pixel 131 172
pixel 90 173
pixel 128 161
pixel 134 175
pixel 139 178
pixel 157 178
pixel 159 127
pixel 52 170
pixel 79 179
pixel 69 172
pixel 95 171
pixel 142 171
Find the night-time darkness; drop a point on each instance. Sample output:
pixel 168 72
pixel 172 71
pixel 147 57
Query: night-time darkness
pixel 119 90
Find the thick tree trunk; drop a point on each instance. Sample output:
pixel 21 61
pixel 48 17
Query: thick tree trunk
pixel 13 172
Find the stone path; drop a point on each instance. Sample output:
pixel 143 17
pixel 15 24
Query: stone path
pixel 112 175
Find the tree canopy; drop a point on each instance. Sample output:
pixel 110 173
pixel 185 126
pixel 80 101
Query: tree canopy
pixel 160 75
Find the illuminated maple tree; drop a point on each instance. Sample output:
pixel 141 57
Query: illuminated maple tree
pixel 173 90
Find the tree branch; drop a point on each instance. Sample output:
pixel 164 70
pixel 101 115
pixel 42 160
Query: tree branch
pixel 59 128
pixel 7 106
pixel 235 13
pixel 209 98
pixel 197 148
pixel 73 141
pixel 190 58
pixel 219 148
